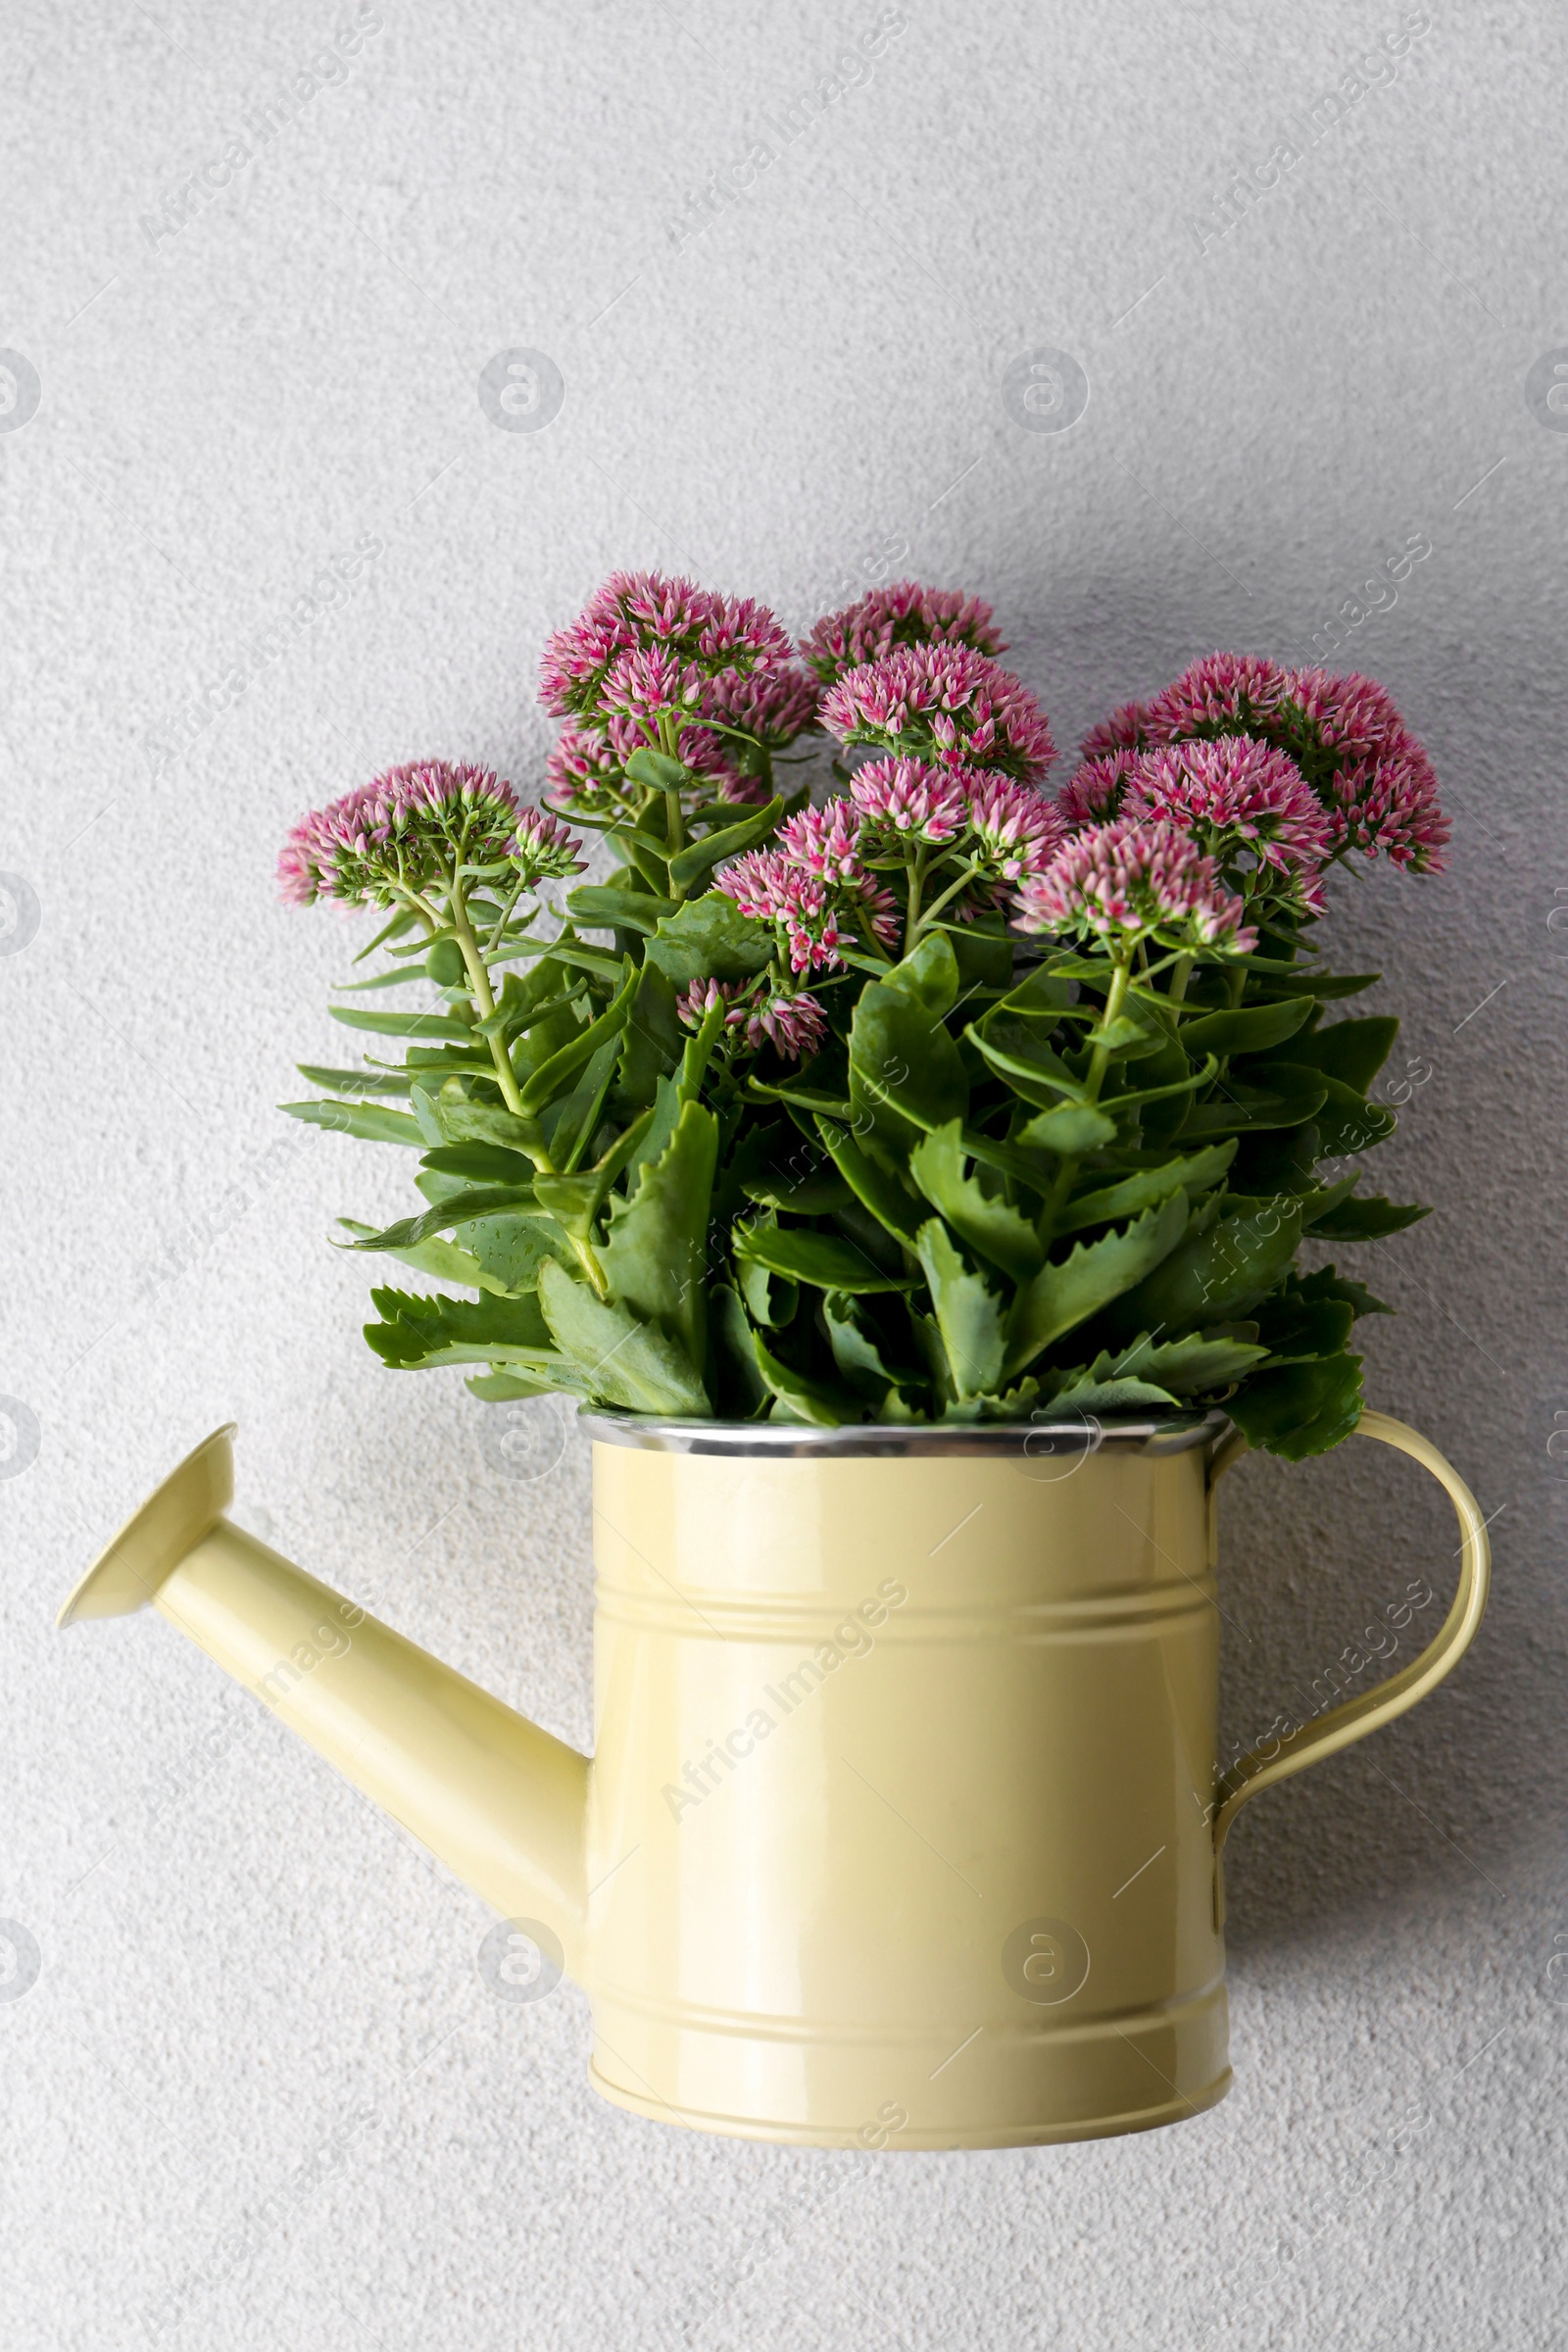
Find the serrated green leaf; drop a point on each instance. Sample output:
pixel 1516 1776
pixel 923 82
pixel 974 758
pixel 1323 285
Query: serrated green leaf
pixel 1186 1367
pixel 508 1251
pixel 688 865
pixel 651 1043
pixel 906 1073
pixel 1062 1296
pixel 857 1348
pixel 355 1082
pixel 481 1201
pixel 653 1254
pixel 1216 1273
pixel 828 1261
pixel 970 1316
pixel 1252 1029
pixel 622 1360
pixel 1141 1189
pixel 1273 1094
pixel 369 1121
pixel 550 1079
pixel 711 938
pixel 1030 1069
pixel 481 1163
pixel 1371 1219
pixel 416 1334
pixel 602 908
pixel 928 975
pixel 429 1027
pixel 1071 1128
pixel 1353 1051
pixel 876 1187
pixel 990 1227
pixel 735 1366
pixel 446 1261
pixel 1301 1410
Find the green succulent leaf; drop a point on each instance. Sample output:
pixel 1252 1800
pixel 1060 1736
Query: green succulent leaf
pixel 828 1261
pixel 369 1121
pixel 1353 1051
pixel 970 1316
pixel 689 865
pixel 355 1082
pixel 415 1333
pixel 990 1227
pixel 906 1073
pixel 652 1253
pixel 621 1359
pixel 1107 1203
pixel 1072 1128
pixel 553 1076
pixel 479 1200
pixel 603 909
pixel 445 1262
pixel 429 1027
pixel 711 938
pixel 875 1187
pixel 1216 1274
pixel 1302 1410
pixel 1371 1219
pixel 1252 1030
pixel 1062 1296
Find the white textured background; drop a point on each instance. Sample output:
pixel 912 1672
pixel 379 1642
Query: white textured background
pixel 243 1970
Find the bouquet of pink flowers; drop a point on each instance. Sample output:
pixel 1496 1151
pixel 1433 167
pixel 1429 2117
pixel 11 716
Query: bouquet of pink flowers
pixel 942 1100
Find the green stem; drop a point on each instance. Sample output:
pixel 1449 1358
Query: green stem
pixel 483 997
pixel 1180 978
pixel 1094 1080
pixel 674 818
pixel 914 868
pixel 952 892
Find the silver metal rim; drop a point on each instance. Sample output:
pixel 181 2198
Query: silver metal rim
pixel 1024 1440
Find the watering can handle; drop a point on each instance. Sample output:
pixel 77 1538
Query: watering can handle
pixel 1307 1745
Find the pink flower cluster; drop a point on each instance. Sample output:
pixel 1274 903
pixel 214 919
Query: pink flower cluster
pixel 1372 778
pixel 905 614
pixel 408 826
pixel 944 703
pixel 795 1026
pixel 819 912
pixel 1238 796
pixel 1124 880
pixel 648 653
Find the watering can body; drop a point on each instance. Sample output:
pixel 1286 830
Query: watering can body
pixel 903 1824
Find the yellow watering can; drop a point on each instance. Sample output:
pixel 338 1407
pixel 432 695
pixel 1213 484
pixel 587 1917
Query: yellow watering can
pixel 903 1824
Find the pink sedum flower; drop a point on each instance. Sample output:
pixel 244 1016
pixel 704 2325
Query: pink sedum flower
pixel 771 703
pixel 331 852
pixel 647 611
pixel 543 847
pixel 905 614
pixel 644 687
pixel 1124 880
pixel 1094 795
pixel 946 705
pixel 1125 730
pixel 914 800
pixel 824 841
pixel 795 1026
pixel 1383 793
pixel 1237 795
pixel 1223 694
pixel 1016 829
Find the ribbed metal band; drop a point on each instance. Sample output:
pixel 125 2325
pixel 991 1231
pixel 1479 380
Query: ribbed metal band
pixel 1027 1440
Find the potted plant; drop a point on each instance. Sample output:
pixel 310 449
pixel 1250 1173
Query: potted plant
pixel 910 1184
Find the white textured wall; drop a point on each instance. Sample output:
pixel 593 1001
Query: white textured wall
pixel 243 1970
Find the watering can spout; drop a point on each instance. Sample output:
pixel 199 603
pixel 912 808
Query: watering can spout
pixel 500 1801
